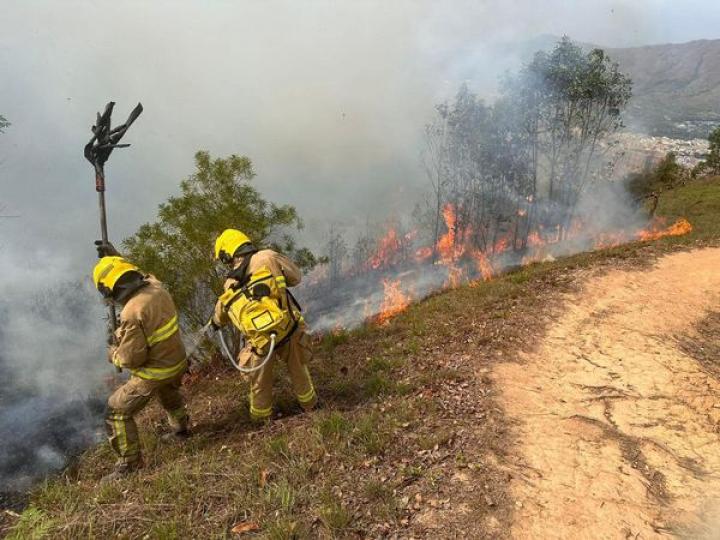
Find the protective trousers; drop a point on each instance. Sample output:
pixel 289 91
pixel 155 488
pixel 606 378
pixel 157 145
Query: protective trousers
pixel 296 353
pixel 129 399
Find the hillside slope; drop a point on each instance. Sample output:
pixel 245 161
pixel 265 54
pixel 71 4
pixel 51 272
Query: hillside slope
pixel 417 436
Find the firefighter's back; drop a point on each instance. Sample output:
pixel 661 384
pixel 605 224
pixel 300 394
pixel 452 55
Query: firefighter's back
pixel 154 308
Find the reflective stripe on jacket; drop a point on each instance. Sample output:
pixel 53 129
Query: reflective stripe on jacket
pixel 149 342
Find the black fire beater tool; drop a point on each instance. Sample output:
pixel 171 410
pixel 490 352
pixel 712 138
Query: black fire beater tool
pixel 104 140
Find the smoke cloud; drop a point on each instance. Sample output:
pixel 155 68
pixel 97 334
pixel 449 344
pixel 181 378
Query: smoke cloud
pixel 52 366
pixel 359 296
pixel 328 99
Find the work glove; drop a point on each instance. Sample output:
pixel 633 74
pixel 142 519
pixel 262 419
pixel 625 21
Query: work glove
pixel 213 325
pixel 106 249
pixel 111 352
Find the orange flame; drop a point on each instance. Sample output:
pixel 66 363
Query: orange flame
pixel 395 301
pixel 534 239
pixel 337 329
pixel 456 276
pixel 610 240
pixel 388 247
pixel 575 228
pixel 483 265
pixel 501 245
pixel 456 251
pixel 422 254
pixel 446 244
pixel 680 227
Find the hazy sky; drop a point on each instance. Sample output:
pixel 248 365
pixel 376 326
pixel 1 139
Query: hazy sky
pixel 328 98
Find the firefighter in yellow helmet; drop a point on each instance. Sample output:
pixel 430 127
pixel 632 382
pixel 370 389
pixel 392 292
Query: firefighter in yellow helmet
pixel 148 345
pixel 255 297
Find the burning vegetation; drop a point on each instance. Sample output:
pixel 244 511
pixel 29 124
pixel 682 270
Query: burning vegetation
pixel 527 178
pixel 394 276
pixel 394 300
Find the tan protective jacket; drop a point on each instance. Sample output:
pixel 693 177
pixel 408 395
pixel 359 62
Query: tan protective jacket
pixel 148 338
pixel 278 264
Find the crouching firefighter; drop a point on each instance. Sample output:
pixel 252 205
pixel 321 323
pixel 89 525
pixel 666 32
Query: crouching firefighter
pixel 257 301
pixel 148 345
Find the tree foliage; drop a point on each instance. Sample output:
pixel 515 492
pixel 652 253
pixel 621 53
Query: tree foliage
pixel 711 164
pixel 525 159
pixel 666 174
pixel 575 102
pixel 3 123
pixel 178 247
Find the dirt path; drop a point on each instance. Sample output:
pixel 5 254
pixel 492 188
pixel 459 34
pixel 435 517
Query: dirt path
pixel 618 428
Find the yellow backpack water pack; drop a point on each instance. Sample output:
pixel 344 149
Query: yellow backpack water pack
pixel 260 308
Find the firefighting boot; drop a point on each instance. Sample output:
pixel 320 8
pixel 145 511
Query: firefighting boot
pixel 179 426
pixel 176 436
pixel 122 469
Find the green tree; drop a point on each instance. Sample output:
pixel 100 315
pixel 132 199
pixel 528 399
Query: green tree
pixel 571 101
pixel 667 174
pixel 711 164
pixel 178 247
pixel 527 158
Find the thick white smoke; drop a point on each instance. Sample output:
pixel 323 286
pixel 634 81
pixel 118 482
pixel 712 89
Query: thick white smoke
pixel 327 98
pixel 52 364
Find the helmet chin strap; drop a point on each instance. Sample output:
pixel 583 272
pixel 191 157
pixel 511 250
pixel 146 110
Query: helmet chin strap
pixel 242 253
pixel 245 250
pixel 124 289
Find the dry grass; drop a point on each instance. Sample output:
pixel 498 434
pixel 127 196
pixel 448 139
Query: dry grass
pixel 409 439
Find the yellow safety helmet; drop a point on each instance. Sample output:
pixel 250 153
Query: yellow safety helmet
pixel 228 243
pixel 107 272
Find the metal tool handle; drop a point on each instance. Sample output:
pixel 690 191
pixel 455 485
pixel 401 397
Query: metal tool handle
pixel 97 151
pixel 196 338
pixel 104 234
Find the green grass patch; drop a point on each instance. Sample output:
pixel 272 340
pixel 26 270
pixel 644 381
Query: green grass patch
pixel 378 384
pixel 281 496
pixel 371 433
pixel 333 515
pixel 165 530
pixel 33 525
pixel 333 426
pixel 285 529
pixel 333 339
pixel 699 202
pixel 277 447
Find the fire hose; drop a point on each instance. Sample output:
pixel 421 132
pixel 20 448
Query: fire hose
pixel 206 330
pixel 229 356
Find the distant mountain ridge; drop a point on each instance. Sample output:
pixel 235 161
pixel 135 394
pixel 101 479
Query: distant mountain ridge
pixel 676 87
